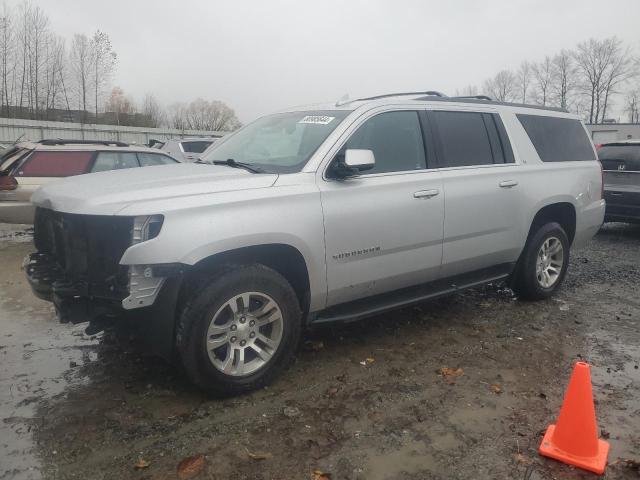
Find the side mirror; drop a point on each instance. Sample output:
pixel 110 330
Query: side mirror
pixel 359 159
pixel 354 162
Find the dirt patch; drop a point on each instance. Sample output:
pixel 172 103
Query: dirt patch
pixel 363 401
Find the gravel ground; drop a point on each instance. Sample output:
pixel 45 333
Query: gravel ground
pixel 362 401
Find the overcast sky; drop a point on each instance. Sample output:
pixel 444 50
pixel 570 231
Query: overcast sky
pixel 260 56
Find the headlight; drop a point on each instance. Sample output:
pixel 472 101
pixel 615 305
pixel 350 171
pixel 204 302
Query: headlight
pixel 146 227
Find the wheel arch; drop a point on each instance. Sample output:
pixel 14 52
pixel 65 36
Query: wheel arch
pixel 562 212
pixel 284 258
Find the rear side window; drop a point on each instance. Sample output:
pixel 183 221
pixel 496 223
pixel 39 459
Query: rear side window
pixel 55 164
pixel 151 159
pixel 557 139
pixel 395 139
pixel 195 147
pixel 463 139
pixel 114 161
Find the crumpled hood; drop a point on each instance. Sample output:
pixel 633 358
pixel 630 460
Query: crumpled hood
pixel 107 193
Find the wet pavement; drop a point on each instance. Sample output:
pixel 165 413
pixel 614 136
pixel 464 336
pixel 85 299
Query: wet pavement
pixel 363 401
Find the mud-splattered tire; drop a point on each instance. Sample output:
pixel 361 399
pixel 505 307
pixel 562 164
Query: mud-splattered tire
pixel 543 263
pixel 239 330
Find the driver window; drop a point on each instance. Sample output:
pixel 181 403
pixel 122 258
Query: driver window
pixel 395 139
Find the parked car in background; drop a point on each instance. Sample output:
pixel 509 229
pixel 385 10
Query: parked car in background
pixel 27 166
pixel 621 167
pixel 185 149
pixel 315 215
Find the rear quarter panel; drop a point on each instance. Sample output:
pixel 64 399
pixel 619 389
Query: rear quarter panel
pixel 546 183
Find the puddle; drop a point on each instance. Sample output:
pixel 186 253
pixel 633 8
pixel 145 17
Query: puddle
pixel 36 359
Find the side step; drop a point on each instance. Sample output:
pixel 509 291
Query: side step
pixel 367 307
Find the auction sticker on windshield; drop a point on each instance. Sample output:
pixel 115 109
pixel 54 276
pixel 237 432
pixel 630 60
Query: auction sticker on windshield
pixel 317 119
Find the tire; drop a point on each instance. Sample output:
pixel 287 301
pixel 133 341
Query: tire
pixel 527 280
pixel 209 333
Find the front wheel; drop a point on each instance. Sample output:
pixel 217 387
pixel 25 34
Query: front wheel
pixel 239 330
pixel 543 264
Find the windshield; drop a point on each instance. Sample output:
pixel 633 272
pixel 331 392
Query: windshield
pixel 279 143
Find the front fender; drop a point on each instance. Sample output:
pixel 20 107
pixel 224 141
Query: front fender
pixel 293 217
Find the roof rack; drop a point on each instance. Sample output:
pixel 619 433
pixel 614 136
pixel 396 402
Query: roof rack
pixel 430 93
pixel 60 141
pixel 477 97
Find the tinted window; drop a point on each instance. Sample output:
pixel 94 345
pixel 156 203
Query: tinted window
pixel 151 159
pixel 395 139
pixel 55 164
pixel 463 139
pixel 557 139
pixel 114 161
pixel 494 139
pixel 195 147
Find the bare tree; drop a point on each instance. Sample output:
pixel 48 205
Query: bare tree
pixel 80 63
pixel 177 116
pixel 39 36
pixel 633 106
pixel 103 60
pixel 7 59
pixel 153 112
pixel 542 72
pixel 214 115
pixel 621 69
pixel 604 65
pixel 523 77
pixel 563 77
pixel 23 46
pixel 201 114
pixel 120 104
pixel 54 73
pixel 502 87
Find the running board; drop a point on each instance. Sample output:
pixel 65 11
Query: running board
pixel 375 305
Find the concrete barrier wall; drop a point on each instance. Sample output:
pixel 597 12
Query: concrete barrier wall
pixel 12 129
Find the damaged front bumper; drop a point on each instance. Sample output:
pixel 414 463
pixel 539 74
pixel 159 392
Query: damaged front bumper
pixel 72 298
pixel 77 267
pixel 149 309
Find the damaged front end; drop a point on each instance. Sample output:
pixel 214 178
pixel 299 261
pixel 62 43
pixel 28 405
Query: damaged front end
pixel 77 267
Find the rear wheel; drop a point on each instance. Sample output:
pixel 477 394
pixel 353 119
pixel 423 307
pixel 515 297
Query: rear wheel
pixel 543 264
pixel 239 330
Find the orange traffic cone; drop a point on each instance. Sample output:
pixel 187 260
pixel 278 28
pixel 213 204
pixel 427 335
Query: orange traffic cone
pixel 574 438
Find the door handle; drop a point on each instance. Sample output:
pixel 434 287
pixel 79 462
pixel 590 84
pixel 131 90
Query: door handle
pixel 426 193
pixel 508 183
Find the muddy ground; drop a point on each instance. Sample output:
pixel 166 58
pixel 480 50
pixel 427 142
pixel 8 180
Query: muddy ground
pixel 74 406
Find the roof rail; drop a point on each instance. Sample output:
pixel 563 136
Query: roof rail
pixel 430 93
pixel 482 101
pixel 477 97
pixel 60 141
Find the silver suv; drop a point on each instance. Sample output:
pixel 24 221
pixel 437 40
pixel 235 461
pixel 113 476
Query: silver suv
pixel 315 215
